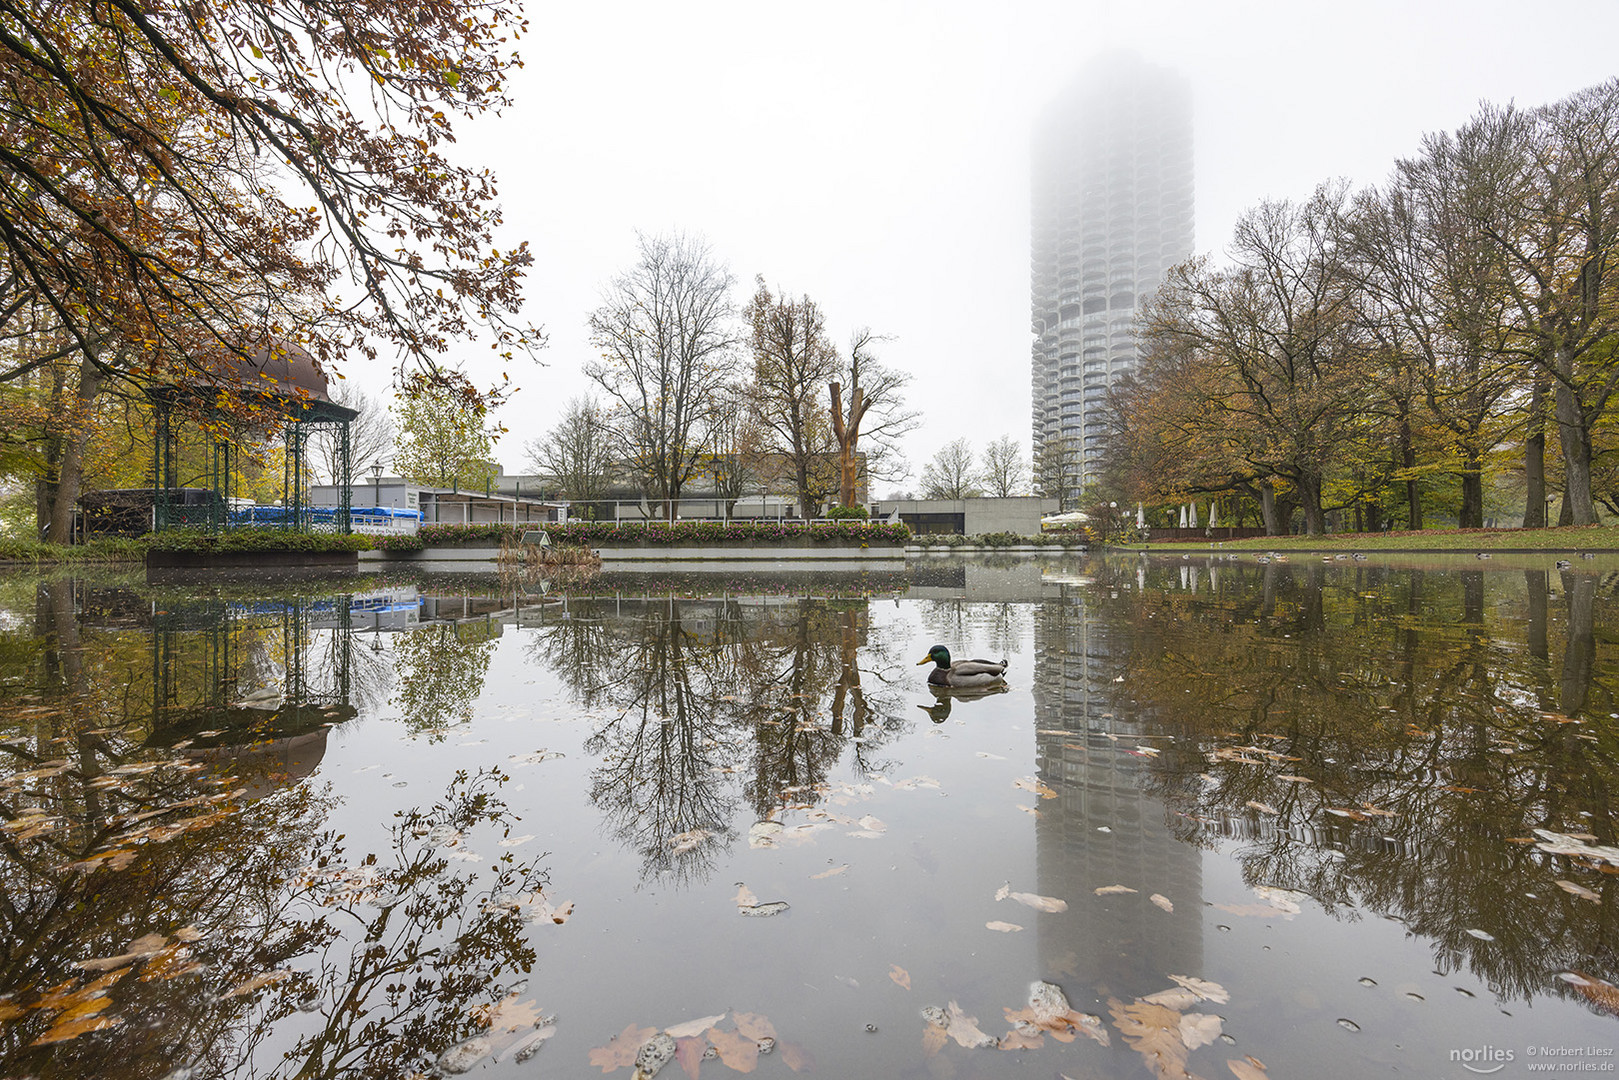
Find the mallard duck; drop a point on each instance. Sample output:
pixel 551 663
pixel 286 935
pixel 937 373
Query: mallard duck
pixel 963 674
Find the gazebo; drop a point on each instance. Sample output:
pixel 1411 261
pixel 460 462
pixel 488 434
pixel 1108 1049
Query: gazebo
pixel 275 384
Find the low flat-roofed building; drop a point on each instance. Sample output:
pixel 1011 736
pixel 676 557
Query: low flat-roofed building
pixel 445 506
pixel 1019 514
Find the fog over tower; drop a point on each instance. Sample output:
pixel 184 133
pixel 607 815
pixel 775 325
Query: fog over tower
pixel 1111 211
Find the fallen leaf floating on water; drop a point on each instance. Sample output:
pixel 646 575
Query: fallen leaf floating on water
pixel 1570 844
pixel 1248 1068
pixel 147 945
pixel 744 896
pixel 1162 901
pixel 1604 995
pixel 1154 1032
pixel 534 758
pixel 735 1049
pixel 1109 890
pixel 1199 1029
pixel 692 1028
pixel 622 1048
pixel 901 977
pixel 681 843
pixel 1029 783
pixel 257 982
pixel 1049 1012
pixel 761 911
pixel 689 1051
pixel 836 870
pixel 1352 815
pixel 1207 991
pixel 964 1029
pixel 990 756
pixel 1579 890
pixel 763 834
pixel 1262 807
pixel 1004 927
pixel 1295 779
pixel 1048 904
pixel 1480 934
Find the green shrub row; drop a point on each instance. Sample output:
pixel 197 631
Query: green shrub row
pixel 1001 540
pixel 108 550
pixel 255 540
pixel 655 532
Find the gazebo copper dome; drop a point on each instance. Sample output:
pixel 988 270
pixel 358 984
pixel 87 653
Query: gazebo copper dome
pixel 281 368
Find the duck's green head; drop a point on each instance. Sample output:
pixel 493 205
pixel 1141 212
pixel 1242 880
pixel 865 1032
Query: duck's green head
pixel 938 654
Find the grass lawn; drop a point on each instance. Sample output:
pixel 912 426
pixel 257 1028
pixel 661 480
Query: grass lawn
pixel 1569 539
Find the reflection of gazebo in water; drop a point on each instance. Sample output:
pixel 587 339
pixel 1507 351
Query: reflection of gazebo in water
pixel 274 385
pixel 235 681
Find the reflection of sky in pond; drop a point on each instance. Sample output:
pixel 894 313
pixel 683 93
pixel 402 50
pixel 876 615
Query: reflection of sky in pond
pixel 1167 731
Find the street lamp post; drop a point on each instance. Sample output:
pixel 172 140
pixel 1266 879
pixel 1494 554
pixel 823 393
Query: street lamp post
pixel 376 483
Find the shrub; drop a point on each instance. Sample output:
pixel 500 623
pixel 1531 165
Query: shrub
pixel 846 513
pixel 255 540
pixel 654 532
pixel 101 550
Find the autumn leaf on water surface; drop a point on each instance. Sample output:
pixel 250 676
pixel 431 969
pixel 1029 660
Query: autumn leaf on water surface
pixel 1604 995
pixel 1048 1011
pixel 836 870
pixel 1154 1032
pixel 1003 927
pixel 681 843
pixel 1163 901
pixel 1049 904
pixel 901 977
pixel 1262 807
pixel 1109 890
pixel 754 1025
pixel 1579 890
pixel 964 1029
pixel 257 982
pixel 1248 1068
pixel 736 1050
pixel 689 1052
pixel 1029 783
pixel 622 1048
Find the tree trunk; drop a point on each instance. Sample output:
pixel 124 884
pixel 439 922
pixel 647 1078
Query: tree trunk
pixel 1309 489
pixel 1534 458
pixel 1413 488
pixel 1575 435
pixel 1267 508
pixel 1472 511
pixel 70 470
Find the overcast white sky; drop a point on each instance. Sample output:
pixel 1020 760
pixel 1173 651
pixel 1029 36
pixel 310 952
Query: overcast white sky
pixel 875 155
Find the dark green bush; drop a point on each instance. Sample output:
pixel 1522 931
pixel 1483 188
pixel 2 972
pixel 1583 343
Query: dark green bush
pixel 653 532
pixel 255 540
pixel 848 513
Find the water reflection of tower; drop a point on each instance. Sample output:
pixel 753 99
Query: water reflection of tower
pixel 1121 944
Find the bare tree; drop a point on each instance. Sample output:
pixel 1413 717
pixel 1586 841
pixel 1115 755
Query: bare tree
pixel 951 474
pixel 1056 471
pixel 575 457
pixel 1004 469
pixel 875 411
pixel 1557 233
pixel 371 435
pixel 792 358
pixel 665 331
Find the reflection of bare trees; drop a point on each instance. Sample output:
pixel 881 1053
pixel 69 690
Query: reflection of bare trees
pixel 1381 739
pixel 772 691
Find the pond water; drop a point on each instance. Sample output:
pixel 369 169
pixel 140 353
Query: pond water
pixel 1297 820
